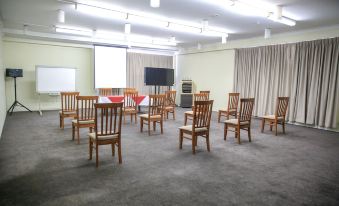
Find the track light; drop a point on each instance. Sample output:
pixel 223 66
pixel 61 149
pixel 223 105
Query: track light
pixel 61 16
pixel 204 25
pixel 267 33
pixel 25 29
pixel 74 30
pixel 127 28
pixel 155 3
pixel 224 39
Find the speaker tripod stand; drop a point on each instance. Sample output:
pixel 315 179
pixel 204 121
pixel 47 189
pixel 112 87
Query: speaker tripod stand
pixel 16 102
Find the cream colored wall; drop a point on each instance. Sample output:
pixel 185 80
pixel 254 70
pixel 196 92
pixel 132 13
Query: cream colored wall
pixel 212 66
pixel 26 54
pixel 2 86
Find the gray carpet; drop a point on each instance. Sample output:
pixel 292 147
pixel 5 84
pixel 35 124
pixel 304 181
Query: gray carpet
pixel 40 165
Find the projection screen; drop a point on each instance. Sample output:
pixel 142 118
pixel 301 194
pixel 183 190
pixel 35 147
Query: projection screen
pixel 110 67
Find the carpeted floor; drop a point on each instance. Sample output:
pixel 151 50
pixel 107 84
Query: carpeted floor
pixel 40 165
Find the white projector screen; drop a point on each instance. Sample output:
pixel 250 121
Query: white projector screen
pixel 54 79
pixel 110 67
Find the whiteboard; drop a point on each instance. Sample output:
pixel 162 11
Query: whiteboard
pixel 54 79
pixel 110 67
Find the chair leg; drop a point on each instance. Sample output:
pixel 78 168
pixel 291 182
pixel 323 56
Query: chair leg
pixel 113 149
pixel 119 152
pixel 225 131
pixel 161 127
pixel 208 142
pixel 141 124
pixel 61 122
pixel 238 134
pixel 276 128
pixel 174 113
pixel 135 118
pixel 90 148
pixel 154 125
pixel 193 144
pixel 90 129
pixel 124 114
pixel 78 134
pixel 219 115
pixel 96 155
pixel 73 131
pixel 185 119
pixel 262 125
pixel 271 126
pixel 249 134
pixel 283 126
pixel 149 127
pixel 181 134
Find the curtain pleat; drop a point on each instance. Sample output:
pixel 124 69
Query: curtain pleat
pixel 307 72
pixel 136 62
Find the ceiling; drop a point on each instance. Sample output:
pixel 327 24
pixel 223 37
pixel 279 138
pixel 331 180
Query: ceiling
pixel 309 14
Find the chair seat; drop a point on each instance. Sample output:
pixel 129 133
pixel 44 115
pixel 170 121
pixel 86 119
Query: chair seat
pixel 128 109
pixel 272 117
pixel 68 112
pixel 190 128
pixel 152 116
pixel 189 112
pixel 225 110
pixel 235 122
pixel 83 121
pixel 106 137
pixel 169 108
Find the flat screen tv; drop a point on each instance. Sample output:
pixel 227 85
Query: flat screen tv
pixel 159 76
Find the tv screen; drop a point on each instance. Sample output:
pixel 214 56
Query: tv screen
pixel 159 76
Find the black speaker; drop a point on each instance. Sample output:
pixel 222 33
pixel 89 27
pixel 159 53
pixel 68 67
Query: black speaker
pixel 14 72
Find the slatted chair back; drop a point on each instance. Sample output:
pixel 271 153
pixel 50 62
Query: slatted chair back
pixel 246 108
pixel 105 92
pixel 68 101
pixel 130 89
pixel 130 100
pixel 170 98
pixel 202 114
pixel 200 97
pixel 233 100
pixel 108 118
pixel 156 104
pixel 85 107
pixel 206 92
pixel 281 109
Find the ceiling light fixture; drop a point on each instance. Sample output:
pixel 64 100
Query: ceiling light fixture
pixel 61 16
pixel 283 20
pixel 204 25
pixel 100 12
pixel 267 33
pixel 155 3
pixel 127 28
pixel 74 30
pixel 224 39
pixel 25 29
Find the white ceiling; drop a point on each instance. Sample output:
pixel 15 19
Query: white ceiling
pixel 309 14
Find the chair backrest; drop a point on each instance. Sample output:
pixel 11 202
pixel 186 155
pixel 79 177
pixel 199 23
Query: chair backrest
pixel 130 100
pixel 281 109
pixel 108 119
pixel 156 104
pixel 68 101
pixel 85 107
pixel 105 92
pixel 170 98
pixel 206 92
pixel 246 108
pixel 202 114
pixel 233 100
pixel 130 90
pixel 200 97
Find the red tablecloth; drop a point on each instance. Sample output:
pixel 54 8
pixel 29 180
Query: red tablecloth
pixel 138 100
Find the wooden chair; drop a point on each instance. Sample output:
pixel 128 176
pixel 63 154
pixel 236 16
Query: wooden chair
pixel 155 113
pixel 201 124
pixel 68 106
pixel 170 103
pixel 278 117
pixel 243 121
pixel 232 107
pixel 196 97
pixel 130 105
pixel 105 92
pixel 85 115
pixel 206 92
pixel 108 117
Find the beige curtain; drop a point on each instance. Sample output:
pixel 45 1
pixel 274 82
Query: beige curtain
pixel 307 72
pixel 136 62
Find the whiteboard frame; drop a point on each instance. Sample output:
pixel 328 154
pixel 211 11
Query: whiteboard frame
pixel 52 92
